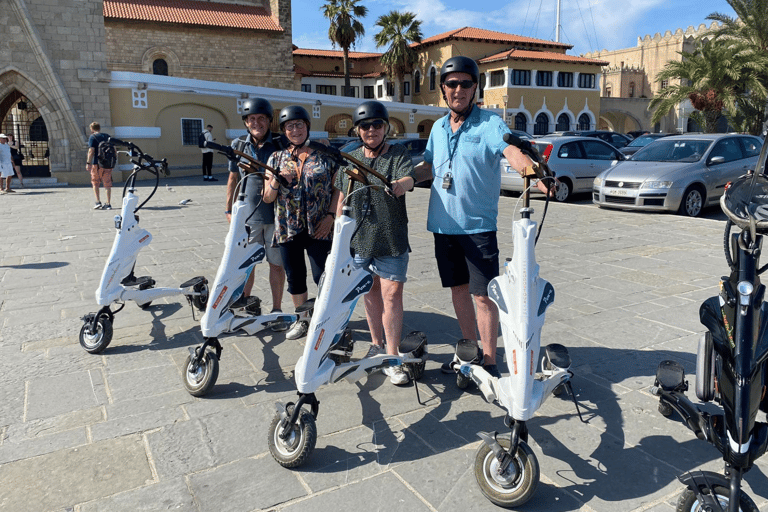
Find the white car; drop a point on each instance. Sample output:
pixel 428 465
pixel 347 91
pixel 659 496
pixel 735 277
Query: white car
pixel 575 160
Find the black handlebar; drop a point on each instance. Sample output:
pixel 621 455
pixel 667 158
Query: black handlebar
pixel 227 151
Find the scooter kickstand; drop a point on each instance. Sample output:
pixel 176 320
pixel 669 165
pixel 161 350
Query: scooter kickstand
pixel 569 387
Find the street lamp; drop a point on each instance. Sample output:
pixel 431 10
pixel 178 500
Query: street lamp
pixel 505 99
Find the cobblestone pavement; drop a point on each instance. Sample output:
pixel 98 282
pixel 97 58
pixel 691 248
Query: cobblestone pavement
pixel 118 431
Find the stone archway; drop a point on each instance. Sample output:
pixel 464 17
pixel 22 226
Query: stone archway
pixel 338 125
pixel 396 127
pixel 424 128
pixel 19 117
pixel 65 140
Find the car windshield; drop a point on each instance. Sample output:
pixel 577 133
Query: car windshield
pixel 665 150
pixel 641 141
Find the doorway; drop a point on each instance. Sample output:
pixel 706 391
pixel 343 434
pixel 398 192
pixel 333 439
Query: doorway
pixel 19 117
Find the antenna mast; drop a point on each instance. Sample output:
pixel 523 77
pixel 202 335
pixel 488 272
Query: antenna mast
pixel 557 23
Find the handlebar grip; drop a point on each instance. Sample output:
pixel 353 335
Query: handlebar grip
pixel 521 144
pixel 118 142
pixel 330 151
pixel 212 145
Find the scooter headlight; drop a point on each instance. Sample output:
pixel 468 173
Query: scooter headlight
pixel 118 222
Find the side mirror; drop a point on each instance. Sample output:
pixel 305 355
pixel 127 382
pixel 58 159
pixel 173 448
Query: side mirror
pixel 715 160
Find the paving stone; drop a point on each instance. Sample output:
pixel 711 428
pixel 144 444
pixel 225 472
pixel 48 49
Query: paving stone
pixel 53 396
pixel 169 495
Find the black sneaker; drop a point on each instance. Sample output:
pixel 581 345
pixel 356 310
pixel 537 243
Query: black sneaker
pixel 492 370
pixel 107 207
pixel 211 178
pixel 450 366
pixel 97 206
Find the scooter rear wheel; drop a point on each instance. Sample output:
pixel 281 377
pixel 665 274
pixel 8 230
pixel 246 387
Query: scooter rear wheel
pixel 689 501
pixel 200 380
pixel 293 451
pixel 201 301
pixel 517 484
pixel 96 342
pixel 462 381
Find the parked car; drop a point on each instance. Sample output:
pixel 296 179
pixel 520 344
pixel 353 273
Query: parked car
pixel 575 160
pixel 682 173
pixel 640 142
pixel 338 142
pixel 617 140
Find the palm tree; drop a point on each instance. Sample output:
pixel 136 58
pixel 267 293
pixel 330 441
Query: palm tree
pixel 750 31
pixel 399 31
pixel 345 28
pixel 714 78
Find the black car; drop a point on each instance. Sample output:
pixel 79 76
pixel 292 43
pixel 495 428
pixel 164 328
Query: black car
pixel 617 140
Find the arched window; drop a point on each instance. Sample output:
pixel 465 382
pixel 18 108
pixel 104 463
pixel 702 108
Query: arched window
pixel 481 86
pixel 417 83
pixel 607 93
pixel 631 89
pixel 584 122
pixel 37 130
pixel 432 79
pixel 563 123
pixel 160 67
pixel 542 124
pixel 521 122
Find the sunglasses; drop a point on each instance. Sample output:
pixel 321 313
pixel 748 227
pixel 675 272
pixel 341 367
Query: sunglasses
pixel 367 125
pixel 465 84
pixel 295 126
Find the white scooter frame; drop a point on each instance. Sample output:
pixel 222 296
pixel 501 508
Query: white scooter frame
pixel 239 259
pixel 118 284
pixel 506 469
pixel 326 358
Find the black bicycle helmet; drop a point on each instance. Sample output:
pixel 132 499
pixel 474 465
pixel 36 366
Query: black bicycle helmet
pixel 370 110
pixel 460 65
pixel 257 106
pixel 293 112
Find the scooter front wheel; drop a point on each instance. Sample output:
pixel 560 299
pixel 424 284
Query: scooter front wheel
pixel 294 450
pixel 689 500
pixel 514 486
pixel 97 340
pixel 200 378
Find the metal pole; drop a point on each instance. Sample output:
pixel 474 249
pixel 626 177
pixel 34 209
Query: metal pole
pixel 557 23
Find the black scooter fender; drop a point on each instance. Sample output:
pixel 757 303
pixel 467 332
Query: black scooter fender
pixel 698 480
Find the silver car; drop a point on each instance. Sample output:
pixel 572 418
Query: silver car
pixel 682 173
pixel 575 160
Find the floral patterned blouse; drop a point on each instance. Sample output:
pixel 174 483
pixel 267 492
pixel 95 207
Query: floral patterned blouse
pixel 307 199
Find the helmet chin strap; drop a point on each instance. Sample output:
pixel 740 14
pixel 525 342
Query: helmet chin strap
pixel 375 150
pixel 459 115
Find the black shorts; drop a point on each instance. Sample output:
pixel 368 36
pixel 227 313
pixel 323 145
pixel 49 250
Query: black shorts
pixel 463 259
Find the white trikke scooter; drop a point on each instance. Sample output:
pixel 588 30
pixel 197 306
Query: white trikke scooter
pixel 329 344
pixel 506 468
pixel 221 316
pixel 118 283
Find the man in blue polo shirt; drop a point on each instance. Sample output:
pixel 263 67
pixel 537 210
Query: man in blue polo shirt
pixel 463 157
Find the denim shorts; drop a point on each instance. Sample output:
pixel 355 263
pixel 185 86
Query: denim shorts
pixel 391 268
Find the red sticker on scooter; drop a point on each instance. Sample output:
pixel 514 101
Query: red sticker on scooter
pixel 142 240
pixel 514 360
pixel 319 338
pixel 218 299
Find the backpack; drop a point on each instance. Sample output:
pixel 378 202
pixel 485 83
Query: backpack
pixel 201 140
pixel 106 154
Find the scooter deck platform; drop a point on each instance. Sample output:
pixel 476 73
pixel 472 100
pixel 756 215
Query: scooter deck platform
pixel 558 355
pixel 137 281
pixel 670 376
pixel 192 282
pixel 467 351
pixel 413 342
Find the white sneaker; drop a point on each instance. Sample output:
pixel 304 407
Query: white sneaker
pixel 297 330
pixel 374 350
pixel 396 375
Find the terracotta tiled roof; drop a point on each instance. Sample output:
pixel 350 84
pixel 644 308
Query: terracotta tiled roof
pixel 192 12
pixel 307 52
pixel 490 36
pixel 539 56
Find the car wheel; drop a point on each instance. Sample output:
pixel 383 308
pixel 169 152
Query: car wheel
pixel 693 201
pixel 563 192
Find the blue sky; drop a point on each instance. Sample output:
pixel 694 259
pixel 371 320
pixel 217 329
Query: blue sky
pixel 588 25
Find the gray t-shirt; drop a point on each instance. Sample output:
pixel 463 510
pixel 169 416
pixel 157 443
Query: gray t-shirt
pixel 264 212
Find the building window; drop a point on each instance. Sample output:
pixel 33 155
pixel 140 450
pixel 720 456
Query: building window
pixel 368 92
pixel 325 89
pixel 584 122
pixel 521 77
pixel 541 127
pixel 417 83
pixel 190 130
pixel 390 89
pixel 664 84
pixel 379 91
pixel 521 122
pixel 544 78
pixel 432 79
pixel 631 89
pixel 407 88
pixel 565 79
pixel 607 93
pixel 354 91
pixel 586 80
pixel 481 86
pixel 497 78
pixel 306 87
pixel 160 67
pixel 563 123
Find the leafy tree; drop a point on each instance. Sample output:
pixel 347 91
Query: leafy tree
pixel 398 30
pixel 749 31
pixel 346 28
pixel 714 78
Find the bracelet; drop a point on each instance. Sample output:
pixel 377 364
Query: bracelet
pixel 273 188
pixel 227 212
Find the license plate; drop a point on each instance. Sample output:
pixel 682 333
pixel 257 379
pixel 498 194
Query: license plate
pixel 617 192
